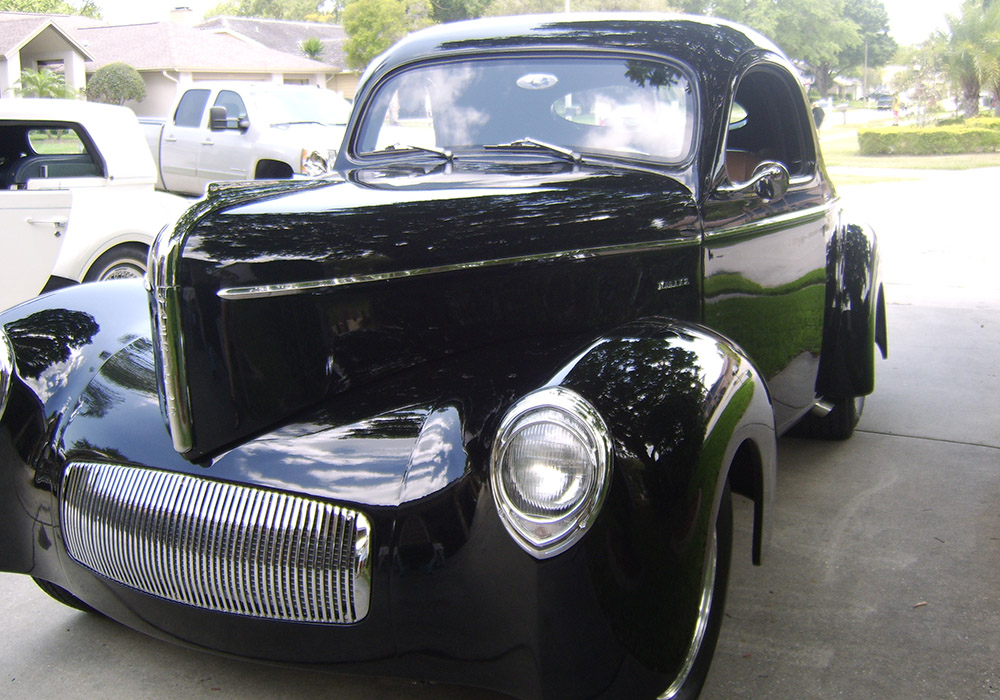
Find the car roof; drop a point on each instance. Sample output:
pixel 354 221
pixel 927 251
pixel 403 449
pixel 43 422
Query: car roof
pixel 685 37
pixel 115 130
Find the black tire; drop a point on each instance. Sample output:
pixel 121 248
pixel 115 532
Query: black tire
pixel 63 596
pixel 702 651
pixel 838 424
pixel 121 262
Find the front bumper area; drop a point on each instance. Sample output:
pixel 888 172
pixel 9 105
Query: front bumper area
pixel 218 546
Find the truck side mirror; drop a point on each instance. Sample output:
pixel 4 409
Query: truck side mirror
pixel 217 118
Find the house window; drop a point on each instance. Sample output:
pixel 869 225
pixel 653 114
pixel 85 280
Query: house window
pixel 55 65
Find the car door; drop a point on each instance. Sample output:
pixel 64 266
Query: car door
pixel 225 154
pixel 765 245
pixel 182 143
pixel 32 228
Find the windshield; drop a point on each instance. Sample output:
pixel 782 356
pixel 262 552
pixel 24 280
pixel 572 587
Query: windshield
pixel 612 105
pixel 290 105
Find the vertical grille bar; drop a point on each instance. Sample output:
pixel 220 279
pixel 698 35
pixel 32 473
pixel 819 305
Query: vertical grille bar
pixel 218 546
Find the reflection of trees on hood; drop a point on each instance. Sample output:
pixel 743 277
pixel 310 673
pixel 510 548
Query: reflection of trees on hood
pixel 603 209
pixel 131 369
pixel 48 337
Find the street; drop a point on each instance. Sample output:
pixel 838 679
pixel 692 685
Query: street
pixel 882 576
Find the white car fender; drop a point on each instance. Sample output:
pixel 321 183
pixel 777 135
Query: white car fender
pixel 109 216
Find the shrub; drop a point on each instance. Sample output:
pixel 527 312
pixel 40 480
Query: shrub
pixel 941 140
pixel 115 84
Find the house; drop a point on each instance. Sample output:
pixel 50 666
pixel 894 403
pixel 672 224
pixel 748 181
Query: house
pixel 169 56
pixel 288 37
pixel 29 41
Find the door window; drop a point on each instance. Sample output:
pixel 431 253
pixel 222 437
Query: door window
pixel 768 122
pixel 191 108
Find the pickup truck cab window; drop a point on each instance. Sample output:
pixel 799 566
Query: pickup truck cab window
pixel 191 107
pixel 612 105
pixel 235 109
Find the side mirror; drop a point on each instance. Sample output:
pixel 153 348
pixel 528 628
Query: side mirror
pixel 217 118
pixel 769 182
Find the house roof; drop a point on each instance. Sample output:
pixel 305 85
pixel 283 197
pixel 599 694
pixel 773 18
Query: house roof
pixel 172 46
pixel 285 36
pixel 17 29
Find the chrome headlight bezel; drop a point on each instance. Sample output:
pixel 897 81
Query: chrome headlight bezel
pixel 6 370
pixel 570 427
pixel 316 163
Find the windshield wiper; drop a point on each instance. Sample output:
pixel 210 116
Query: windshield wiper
pixel 440 152
pixel 566 153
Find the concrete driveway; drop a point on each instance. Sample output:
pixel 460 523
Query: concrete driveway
pixel 883 578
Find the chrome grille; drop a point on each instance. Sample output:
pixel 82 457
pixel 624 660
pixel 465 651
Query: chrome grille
pixel 217 545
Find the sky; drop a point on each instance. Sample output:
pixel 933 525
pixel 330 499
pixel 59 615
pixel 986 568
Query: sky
pixel 911 21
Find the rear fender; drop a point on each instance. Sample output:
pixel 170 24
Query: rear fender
pixel 855 320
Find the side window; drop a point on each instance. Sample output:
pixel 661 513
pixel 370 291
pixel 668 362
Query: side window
pixel 54 152
pixel 191 108
pixel 769 122
pixel 56 141
pixel 235 109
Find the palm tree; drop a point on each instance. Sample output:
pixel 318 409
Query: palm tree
pixel 313 48
pixel 43 83
pixel 972 55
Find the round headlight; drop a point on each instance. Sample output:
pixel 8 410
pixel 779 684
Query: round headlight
pixel 316 164
pixel 6 369
pixel 550 467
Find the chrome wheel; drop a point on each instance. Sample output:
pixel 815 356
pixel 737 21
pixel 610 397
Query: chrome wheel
pixel 693 672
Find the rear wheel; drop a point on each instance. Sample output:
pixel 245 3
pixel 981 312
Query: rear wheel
pixel 62 595
pixel 838 424
pixel 713 603
pixel 122 262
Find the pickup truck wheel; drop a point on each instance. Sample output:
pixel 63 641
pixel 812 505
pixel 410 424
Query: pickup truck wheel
pixel 838 424
pixel 122 262
pixel 62 595
pixel 715 582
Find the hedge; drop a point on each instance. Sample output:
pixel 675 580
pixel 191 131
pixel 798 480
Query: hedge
pixel 940 140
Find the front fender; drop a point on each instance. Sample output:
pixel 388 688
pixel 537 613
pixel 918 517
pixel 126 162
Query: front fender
pixel 687 412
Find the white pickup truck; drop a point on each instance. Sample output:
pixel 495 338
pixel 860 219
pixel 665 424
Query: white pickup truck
pixel 246 131
pixel 77 202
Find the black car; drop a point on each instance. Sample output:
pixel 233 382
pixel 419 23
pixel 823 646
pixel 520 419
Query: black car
pixel 474 409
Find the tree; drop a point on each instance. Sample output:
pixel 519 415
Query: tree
pixel 971 55
pixel 923 77
pixel 43 83
pixel 876 48
pixel 313 48
pixel 455 10
pixel 372 26
pixel 519 7
pixel 88 9
pixel 266 9
pixel 116 84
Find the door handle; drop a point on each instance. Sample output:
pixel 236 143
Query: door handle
pixel 59 224
pixel 170 139
pixel 208 142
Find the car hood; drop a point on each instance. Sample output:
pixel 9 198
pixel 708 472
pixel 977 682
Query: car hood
pixel 270 298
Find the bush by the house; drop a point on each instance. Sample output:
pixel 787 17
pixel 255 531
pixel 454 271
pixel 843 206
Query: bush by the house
pixel 116 84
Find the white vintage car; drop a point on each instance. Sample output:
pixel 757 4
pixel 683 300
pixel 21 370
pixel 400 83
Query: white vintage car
pixel 77 199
